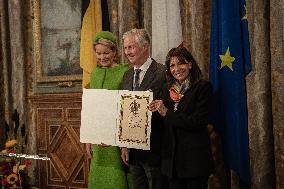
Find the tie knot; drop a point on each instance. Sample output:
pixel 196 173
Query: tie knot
pixel 137 71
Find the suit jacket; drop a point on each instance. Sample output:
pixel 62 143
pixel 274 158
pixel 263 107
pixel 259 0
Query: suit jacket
pixel 154 78
pixel 186 150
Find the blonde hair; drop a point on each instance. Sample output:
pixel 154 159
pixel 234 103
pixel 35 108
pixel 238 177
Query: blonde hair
pixel 109 44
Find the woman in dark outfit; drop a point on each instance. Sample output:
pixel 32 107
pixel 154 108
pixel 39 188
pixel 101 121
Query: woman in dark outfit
pixel 186 155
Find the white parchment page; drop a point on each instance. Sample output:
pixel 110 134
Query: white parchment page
pixel 98 116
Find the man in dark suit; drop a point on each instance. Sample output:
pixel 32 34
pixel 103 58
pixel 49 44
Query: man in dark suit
pixel 146 74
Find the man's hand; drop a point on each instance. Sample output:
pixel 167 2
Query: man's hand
pixel 125 155
pixel 103 145
pixel 89 151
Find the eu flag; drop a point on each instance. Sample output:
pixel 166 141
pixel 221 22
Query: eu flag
pixel 230 63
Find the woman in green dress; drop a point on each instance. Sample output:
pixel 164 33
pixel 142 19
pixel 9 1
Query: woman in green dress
pixel 106 170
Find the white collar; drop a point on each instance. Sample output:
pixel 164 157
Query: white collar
pixel 146 65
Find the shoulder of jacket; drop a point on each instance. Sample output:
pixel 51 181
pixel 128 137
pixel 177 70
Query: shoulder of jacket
pixel 204 84
pixel 129 70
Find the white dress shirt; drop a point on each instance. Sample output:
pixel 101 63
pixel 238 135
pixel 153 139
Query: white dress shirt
pixel 143 69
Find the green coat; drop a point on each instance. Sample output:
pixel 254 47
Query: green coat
pixel 107 170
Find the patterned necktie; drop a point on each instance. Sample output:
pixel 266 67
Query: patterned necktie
pixel 136 79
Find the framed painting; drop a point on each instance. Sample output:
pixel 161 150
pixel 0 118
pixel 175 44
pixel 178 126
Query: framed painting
pixel 56 30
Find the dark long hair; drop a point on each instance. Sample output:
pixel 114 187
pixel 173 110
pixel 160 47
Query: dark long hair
pixel 184 57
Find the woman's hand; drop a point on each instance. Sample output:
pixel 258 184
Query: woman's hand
pixel 89 150
pixel 158 105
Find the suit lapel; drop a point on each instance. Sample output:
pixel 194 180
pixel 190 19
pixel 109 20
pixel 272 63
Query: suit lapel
pixel 149 77
pixel 129 80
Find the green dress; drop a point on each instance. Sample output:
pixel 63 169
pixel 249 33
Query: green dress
pixel 107 170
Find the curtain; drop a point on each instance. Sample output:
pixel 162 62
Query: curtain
pixel 15 70
pixel 277 84
pixel 195 17
pixel 260 96
pixel 13 80
pixel 128 14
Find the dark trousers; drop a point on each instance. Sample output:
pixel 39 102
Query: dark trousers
pixel 147 177
pixel 188 183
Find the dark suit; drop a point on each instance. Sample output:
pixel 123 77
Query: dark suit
pixel 186 151
pixel 153 80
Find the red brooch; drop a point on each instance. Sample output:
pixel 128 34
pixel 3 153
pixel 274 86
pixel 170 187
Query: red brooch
pixel 175 95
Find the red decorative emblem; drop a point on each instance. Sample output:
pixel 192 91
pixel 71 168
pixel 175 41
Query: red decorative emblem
pixel 175 95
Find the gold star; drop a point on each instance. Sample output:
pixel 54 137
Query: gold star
pixel 227 59
pixel 245 17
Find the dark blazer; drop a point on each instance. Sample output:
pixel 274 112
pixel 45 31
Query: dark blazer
pixel 154 79
pixel 186 150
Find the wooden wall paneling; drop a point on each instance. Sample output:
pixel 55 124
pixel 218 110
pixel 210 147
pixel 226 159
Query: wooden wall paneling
pixel 57 118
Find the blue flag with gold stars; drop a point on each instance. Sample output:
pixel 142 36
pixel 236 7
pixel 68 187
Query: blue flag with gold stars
pixel 229 64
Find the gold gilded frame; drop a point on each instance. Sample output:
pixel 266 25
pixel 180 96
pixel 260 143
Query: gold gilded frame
pixel 40 77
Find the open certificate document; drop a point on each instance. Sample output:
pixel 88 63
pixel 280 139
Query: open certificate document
pixel 116 118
